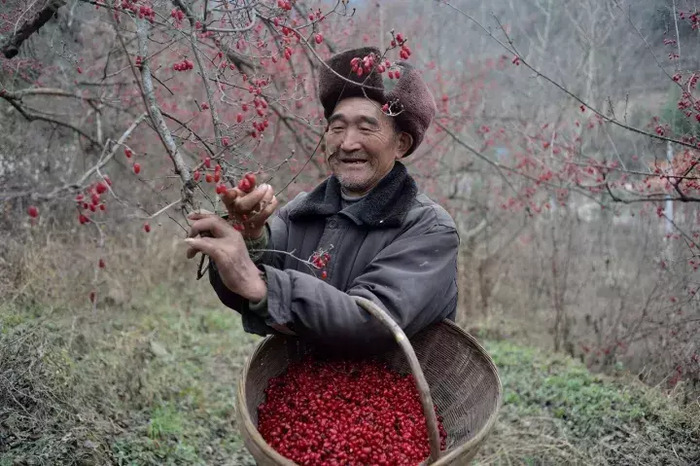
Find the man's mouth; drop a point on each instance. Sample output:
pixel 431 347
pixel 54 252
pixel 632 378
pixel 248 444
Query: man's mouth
pixel 353 161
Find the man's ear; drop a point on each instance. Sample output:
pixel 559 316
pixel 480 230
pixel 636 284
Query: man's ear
pixel 405 143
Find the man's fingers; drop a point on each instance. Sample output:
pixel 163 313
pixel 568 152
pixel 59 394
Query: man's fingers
pixel 204 245
pixel 198 214
pixel 191 252
pixel 267 198
pixel 261 217
pixel 249 201
pixel 212 224
pixel 269 209
pixel 229 196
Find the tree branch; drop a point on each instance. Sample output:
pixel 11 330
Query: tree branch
pixel 157 117
pixel 10 47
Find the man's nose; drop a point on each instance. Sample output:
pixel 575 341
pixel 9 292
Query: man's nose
pixel 351 141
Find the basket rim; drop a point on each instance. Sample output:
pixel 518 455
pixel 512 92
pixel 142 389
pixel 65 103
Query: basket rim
pixel 447 456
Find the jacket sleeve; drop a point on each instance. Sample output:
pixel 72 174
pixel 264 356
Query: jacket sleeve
pixel 255 320
pixel 413 278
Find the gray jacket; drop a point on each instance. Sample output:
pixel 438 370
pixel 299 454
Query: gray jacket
pixel 395 247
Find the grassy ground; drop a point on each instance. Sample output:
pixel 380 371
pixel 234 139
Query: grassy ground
pixel 153 382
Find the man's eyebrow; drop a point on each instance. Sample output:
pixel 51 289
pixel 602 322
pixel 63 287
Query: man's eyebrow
pixel 336 117
pixel 369 120
pixel 362 118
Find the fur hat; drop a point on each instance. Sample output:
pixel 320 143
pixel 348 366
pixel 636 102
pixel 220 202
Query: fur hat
pixel 408 95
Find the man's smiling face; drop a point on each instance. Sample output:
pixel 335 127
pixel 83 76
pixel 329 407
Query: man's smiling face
pixel 362 144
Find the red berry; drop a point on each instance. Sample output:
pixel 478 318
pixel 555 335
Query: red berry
pixel 207 162
pixel 92 296
pixel 239 118
pixel 137 168
pixel 147 227
pixel 324 274
pixel 196 175
pixel 209 178
pixel 128 152
pixel 101 263
pixel 345 412
pixel 244 185
pixel 251 178
pixel 33 211
pixel 318 38
pixel 83 219
pixel 220 189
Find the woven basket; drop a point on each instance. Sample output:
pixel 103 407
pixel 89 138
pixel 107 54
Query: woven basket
pixel 450 368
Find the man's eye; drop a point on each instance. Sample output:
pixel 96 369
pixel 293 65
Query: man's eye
pixel 365 128
pixel 336 129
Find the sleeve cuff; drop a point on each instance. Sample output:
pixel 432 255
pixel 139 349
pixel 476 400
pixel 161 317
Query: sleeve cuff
pixel 259 308
pixel 254 246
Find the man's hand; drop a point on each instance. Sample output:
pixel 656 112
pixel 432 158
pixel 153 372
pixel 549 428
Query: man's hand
pixel 251 209
pixel 213 236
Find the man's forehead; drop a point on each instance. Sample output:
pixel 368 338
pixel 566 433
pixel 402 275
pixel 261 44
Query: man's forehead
pixel 358 109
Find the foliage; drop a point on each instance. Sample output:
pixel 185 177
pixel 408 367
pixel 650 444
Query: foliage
pixel 593 419
pixel 155 384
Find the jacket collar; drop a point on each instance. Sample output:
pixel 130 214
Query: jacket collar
pixel 385 206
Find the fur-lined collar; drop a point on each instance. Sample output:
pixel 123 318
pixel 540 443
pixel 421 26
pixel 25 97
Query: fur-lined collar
pixel 385 206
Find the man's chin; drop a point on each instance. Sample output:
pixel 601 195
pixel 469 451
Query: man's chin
pixel 354 185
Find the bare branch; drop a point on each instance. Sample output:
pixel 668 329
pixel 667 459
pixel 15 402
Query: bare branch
pixel 10 47
pixel 79 183
pixel 511 49
pixel 157 117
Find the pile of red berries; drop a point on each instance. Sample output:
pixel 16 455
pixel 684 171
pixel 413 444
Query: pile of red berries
pixel 345 412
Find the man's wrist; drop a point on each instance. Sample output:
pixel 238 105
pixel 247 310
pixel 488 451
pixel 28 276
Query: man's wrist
pixel 254 235
pixel 258 289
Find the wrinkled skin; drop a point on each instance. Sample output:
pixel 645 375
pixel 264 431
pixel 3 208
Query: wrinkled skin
pixel 362 144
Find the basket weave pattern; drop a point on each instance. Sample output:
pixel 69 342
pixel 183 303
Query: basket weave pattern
pixel 463 382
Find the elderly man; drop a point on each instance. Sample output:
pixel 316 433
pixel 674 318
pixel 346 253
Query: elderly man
pixel 384 240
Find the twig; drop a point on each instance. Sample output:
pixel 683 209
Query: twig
pixel 78 184
pixel 10 47
pixel 511 49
